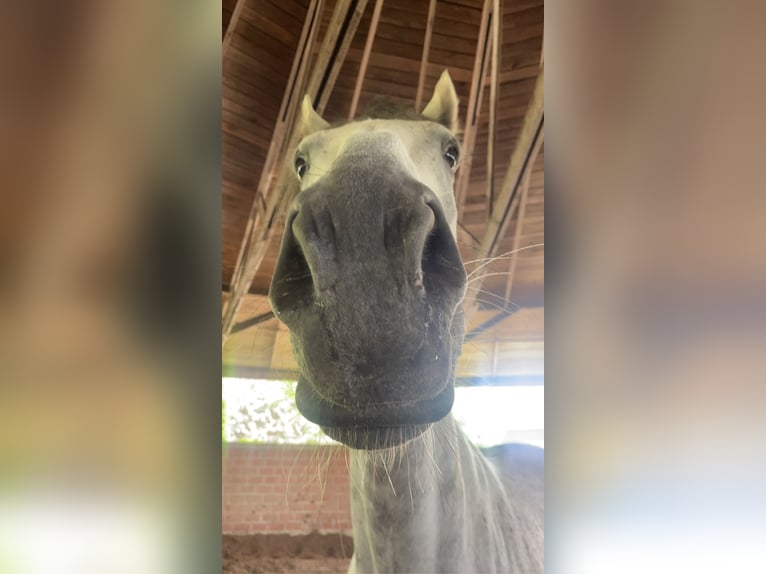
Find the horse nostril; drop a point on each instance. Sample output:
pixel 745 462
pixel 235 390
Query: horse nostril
pixel 291 285
pixel 442 266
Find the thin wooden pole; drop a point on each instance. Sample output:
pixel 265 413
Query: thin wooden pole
pixel 343 24
pixel 259 227
pixel 531 129
pixel 425 54
pixel 232 26
pixel 365 57
pixel 474 105
pixel 267 205
pixel 509 198
pixel 520 217
pixel 493 96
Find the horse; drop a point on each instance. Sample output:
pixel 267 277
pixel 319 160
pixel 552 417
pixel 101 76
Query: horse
pixel 370 283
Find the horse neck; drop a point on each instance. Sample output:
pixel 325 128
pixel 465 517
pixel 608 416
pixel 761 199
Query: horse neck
pixel 434 505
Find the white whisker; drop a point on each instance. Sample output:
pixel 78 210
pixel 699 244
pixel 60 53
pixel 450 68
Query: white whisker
pixel 489 260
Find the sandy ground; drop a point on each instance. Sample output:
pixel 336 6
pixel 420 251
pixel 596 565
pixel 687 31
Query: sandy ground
pixel 281 553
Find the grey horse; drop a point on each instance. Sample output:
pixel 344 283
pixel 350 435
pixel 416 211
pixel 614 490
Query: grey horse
pixel 370 283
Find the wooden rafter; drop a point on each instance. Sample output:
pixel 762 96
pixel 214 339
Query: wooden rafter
pixel 325 52
pixel 232 25
pixel 493 95
pixel 251 322
pixel 474 104
pixel 522 159
pixel 267 205
pixel 365 58
pixel 249 372
pixel 531 130
pixel 489 323
pixel 520 216
pixel 425 54
pixel 343 24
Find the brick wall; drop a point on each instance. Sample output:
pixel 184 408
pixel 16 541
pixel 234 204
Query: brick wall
pixel 293 489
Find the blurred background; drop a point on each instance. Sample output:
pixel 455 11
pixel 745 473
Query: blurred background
pixel 110 299
pixel 656 287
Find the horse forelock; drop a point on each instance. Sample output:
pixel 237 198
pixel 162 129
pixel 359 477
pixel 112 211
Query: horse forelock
pixel 386 108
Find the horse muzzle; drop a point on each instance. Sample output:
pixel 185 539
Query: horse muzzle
pixel 369 281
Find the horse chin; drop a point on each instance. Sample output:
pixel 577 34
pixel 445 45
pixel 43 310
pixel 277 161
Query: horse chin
pixel 375 426
pixel 370 438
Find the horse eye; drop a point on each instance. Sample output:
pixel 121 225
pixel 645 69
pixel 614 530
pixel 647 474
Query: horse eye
pixel 451 154
pixel 301 165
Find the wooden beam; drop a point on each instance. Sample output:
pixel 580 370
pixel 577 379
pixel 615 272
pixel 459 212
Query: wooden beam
pixel 325 51
pixel 365 58
pixel 266 205
pixel 495 320
pixel 232 26
pixel 518 74
pixel 520 216
pixel 521 161
pixel 343 24
pixel 424 55
pixel 531 130
pixel 474 105
pixel 245 372
pixel 252 322
pixel 226 289
pixel 502 381
pixel 459 75
pixel 493 89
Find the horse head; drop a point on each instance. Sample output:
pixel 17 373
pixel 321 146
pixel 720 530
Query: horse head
pixel 369 279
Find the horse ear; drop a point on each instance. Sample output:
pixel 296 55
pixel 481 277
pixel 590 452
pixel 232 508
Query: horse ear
pixel 309 121
pixel 442 108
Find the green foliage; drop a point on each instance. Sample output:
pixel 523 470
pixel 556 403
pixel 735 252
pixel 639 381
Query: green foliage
pixel 265 412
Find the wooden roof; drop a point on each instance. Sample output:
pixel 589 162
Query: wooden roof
pixel 352 50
